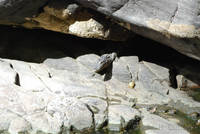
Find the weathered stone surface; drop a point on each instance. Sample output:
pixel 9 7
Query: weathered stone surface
pixel 8 75
pixel 121 71
pixel 99 108
pixel 16 11
pixel 64 95
pixel 157 125
pixel 120 116
pixel 27 76
pixel 176 25
pixel 44 122
pixel 60 16
pixel 19 125
pixel 73 113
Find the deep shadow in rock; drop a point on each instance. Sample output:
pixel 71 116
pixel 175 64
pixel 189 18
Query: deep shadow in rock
pixel 38 45
pixel 172 77
pixel 108 74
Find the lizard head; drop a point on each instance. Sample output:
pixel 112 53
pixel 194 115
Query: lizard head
pixel 114 55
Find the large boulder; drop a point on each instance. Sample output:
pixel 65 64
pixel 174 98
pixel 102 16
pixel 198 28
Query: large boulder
pixel 65 95
pixel 48 90
pixel 173 23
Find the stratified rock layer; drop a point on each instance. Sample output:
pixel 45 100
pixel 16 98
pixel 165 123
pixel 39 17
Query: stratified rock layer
pixel 63 95
pixel 60 16
pixel 174 23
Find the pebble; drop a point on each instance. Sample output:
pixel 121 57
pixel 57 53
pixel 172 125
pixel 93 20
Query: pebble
pixel 131 84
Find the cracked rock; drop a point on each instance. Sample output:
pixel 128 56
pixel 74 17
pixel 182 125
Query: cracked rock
pixel 73 100
pixel 156 125
pixel 19 125
pixel 73 113
pixel 120 116
pixel 177 23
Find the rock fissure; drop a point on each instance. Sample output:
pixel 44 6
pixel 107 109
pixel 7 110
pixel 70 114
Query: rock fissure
pixel 174 14
pixel 82 102
pixel 152 71
pixel 62 129
pixel 43 82
pixel 92 96
pixel 17 78
pixel 93 117
pixel 107 106
pixel 50 75
pixel 135 2
pixel 130 73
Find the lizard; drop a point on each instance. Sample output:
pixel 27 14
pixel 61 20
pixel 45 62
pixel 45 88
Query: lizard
pixel 105 61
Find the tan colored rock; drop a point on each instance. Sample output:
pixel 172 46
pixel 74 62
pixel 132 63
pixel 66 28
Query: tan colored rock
pixel 184 83
pixel 82 23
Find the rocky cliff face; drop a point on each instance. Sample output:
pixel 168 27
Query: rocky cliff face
pixel 60 16
pixel 49 83
pixel 173 23
pixel 48 88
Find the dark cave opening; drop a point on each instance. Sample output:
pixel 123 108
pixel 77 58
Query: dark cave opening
pixel 14 39
pixel 36 45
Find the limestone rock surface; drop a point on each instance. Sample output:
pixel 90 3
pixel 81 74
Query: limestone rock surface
pixel 65 95
pixel 176 25
pixel 173 23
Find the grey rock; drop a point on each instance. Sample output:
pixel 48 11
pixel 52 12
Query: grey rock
pixel 132 66
pixel 177 23
pixel 160 72
pixel 27 75
pixel 120 116
pixel 62 64
pixel 66 17
pixel 73 112
pixel 8 74
pixel 150 79
pixel 99 108
pixel 19 125
pixel 85 91
pixel 157 125
pixel 121 71
pixel 44 122
pixel 16 11
pixel 6 119
pixel 88 61
pixel 60 95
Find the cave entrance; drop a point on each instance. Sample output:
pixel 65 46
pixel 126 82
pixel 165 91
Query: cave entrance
pixel 37 45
